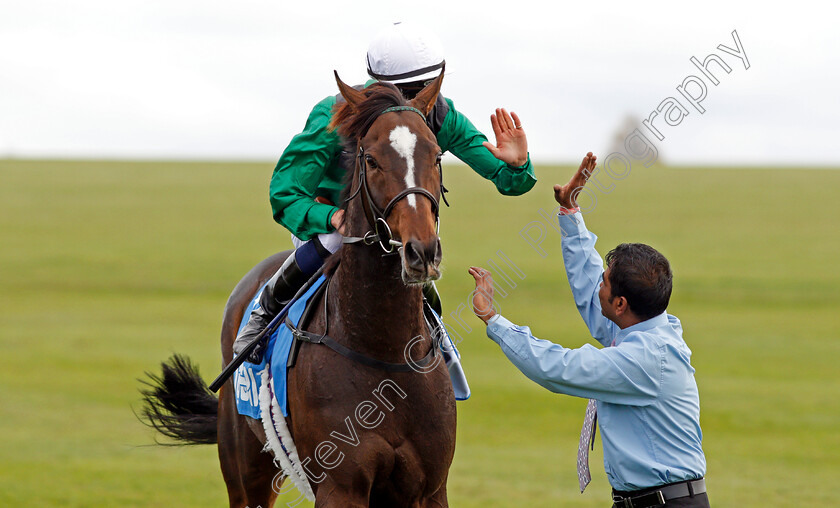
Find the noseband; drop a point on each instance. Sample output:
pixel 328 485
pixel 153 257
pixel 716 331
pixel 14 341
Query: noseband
pixel 377 218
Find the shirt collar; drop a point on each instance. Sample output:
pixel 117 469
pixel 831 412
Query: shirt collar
pixel 654 322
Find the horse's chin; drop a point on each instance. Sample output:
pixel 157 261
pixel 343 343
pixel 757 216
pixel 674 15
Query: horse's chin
pixel 414 277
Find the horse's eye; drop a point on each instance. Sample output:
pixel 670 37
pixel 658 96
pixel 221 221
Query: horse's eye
pixel 371 161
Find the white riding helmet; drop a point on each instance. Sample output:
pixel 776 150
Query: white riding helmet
pixel 404 53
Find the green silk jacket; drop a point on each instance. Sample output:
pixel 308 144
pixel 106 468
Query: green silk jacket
pixel 312 166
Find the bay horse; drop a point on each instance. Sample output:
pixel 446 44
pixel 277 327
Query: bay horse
pixel 397 447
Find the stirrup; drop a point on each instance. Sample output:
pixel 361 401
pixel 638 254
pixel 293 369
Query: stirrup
pixel 451 356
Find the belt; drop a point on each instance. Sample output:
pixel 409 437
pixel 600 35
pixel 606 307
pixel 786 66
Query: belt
pixel 660 495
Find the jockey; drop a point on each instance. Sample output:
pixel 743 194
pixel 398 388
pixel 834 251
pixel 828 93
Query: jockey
pixel 308 179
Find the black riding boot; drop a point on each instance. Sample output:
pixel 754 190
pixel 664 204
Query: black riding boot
pixel 277 293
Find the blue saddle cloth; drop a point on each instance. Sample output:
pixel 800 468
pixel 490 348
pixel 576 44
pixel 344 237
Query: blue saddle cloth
pixel 248 377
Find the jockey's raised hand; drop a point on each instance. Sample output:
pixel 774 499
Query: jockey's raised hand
pixel 511 143
pixel 567 194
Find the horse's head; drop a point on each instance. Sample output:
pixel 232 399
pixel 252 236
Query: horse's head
pixel 397 179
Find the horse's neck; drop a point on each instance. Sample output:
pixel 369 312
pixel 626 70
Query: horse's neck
pixel 377 312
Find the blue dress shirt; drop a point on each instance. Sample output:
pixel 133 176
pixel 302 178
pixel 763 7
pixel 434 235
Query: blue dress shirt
pixel 647 400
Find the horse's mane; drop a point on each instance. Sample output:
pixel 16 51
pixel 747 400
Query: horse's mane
pixel 353 124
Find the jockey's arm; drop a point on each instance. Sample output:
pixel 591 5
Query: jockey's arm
pixel 300 171
pixel 459 136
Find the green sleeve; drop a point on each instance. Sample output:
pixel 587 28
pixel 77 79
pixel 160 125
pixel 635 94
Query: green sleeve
pixel 459 136
pixel 299 172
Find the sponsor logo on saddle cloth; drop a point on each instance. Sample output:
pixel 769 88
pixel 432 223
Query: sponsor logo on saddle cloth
pixel 248 377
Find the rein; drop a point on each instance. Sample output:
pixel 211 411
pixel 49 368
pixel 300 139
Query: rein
pixel 377 218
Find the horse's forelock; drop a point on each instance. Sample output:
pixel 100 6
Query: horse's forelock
pixel 353 124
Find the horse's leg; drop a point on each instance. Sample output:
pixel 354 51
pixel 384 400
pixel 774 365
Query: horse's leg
pixel 248 471
pixel 331 496
pixel 256 467
pixel 258 480
pixel 438 499
pixel 228 450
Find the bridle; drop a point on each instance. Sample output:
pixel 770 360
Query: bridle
pixel 380 232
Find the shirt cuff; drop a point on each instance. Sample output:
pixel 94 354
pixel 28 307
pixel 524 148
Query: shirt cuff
pixel 572 224
pixel 497 326
pixel 319 214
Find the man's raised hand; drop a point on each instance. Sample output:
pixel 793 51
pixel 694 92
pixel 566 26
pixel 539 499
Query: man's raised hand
pixel 482 296
pixel 566 194
pixel 511 143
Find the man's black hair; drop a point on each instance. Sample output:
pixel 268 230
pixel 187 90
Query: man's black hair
pixel 642 275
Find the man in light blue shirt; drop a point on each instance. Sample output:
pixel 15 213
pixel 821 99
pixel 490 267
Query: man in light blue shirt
pixel 648 408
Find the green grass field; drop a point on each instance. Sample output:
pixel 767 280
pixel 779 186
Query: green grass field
pixel 107 268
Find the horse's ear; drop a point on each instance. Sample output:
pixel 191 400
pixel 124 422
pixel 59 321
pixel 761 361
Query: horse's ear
pixel 425 100
pixel 350 94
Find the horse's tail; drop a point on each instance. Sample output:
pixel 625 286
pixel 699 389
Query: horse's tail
pixel 178 404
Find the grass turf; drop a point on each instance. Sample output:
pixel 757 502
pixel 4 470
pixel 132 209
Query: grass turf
pixel 106 268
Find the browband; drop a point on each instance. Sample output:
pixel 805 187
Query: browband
pixel 393 109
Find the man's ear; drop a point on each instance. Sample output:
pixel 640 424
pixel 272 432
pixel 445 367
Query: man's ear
pixel 350 94
pixel 621 306
pixel 425 100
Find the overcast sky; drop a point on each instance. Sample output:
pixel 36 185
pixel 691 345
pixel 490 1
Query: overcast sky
pixel 236 79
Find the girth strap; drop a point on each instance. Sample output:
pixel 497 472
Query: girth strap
pixel 312 338
pixel 301 335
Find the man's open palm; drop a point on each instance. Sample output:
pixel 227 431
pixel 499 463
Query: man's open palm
pixel 566 194
pixel 511 143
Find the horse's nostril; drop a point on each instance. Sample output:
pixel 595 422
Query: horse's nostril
pixel 413 257
pixel 438 253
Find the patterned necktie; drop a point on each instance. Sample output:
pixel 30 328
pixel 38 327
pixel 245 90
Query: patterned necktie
pixel 587 437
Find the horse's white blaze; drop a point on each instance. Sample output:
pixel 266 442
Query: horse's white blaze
pixel 404 141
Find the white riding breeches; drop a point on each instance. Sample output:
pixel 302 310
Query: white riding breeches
pixel 330 241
